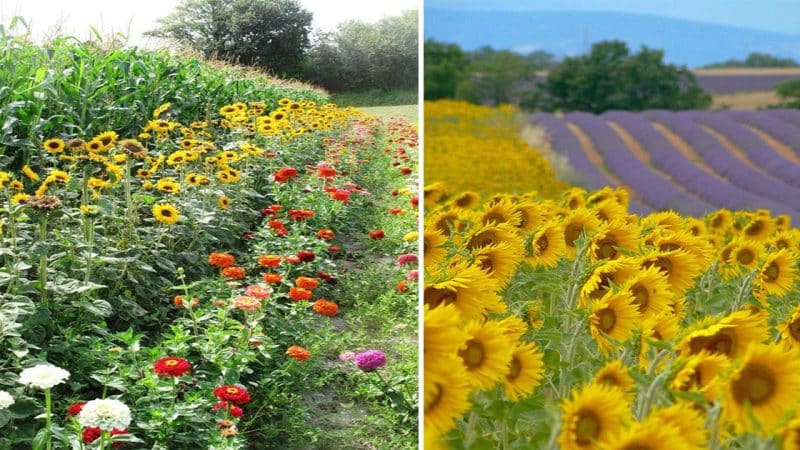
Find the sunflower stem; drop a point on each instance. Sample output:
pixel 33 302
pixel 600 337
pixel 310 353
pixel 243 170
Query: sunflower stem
pixel 43 259
pixel 744 291
pixel 647 400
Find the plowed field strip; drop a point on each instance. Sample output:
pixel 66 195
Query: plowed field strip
pixel 643 156
pixel 597 159
pixel 734 150
pixel 685 149
pixel 781 148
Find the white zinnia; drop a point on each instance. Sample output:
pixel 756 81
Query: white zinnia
pixel 6 400
pixel 43 376
pixel 106 414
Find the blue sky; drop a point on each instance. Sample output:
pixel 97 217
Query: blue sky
pixel 772 15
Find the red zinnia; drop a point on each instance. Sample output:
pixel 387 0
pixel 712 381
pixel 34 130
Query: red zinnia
pixel 301 214
pixel 284 174
pixel 334 248
pixel 298 353
pixel 325 307
pixel 299 294
pixel 233 272
pixel 223 405
pixel 376 234
pixel 401 286
pixel 75 408
pixel 172 366
pixel 221 260
pixel 305 255
pixel 233 394
pixel 341 195
pixel 269 260
pixel 178 301
pixel 326 172
pixel 414 201
pixel 405 171
pixel 326 233
pixel 395 211
pixel 91 434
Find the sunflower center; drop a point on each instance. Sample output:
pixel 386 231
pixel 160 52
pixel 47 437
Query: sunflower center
pixel 756 384
pixel 606 320
pixel 602 286
pixel 542 243
pixel 716 221
pixel 605 249
pixel 669 246
pixel 587 428
pixel 486 263
pixel 494 216
pixel 772 271
pixel 435 296
pixel 726 254
pixel 463 201
pixel 664 264
pixel 608 379
pixel 435 398
pixel 166 213
pixel 573 203
pixel 572 232
pixel 781 244
pixel 745 256
pixel 171 362
pixel 754 228
pixel 482 239
pixel 721 343
pixel 426 246
pixel 640 296
pixel 473 355
pixel 515 368
pixel 794 329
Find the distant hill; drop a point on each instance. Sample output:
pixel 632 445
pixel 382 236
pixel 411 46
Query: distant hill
pixel 684 42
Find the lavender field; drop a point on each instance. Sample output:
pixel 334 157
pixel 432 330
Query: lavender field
pixel 692 162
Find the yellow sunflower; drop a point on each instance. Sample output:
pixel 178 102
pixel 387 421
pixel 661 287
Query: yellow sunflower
pixel 790 435
pixel 531 216
pixel 486 355
pixel 651 291
pixel 467 288
pixel 525 371
pixel 695 226
pixel 433 247
pixel 778 273
pixel 493 234
pixel 764 386
pixel 602 277
pixel 615 374
pixel 443 337
pixel 614 316
pixel 465 200
pixel 224 202
pixel 446 399
pixel 665 220
pixel 699 247
pixel 647 435
pixel 446 222
pixel 680 267
pixel 687 419
pixel 758 229
pixel 728 336
pixel 591 415
pixel 107 139
pixel 790 330
pixel 54 145
pixel 609 211
pixel 577 222
pixel 499 261
pixel 747 253
pixel 166 213
pixel 783 222
pixel 701 372
pixel 499 212
pixel 433 193
pixel 612 239
pixel 546 245
pixel 574 198
pixel 168 185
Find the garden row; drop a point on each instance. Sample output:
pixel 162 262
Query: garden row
pixel 692 162
pixel 184 281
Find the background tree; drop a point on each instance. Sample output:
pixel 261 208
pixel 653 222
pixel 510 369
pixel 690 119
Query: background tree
pixel 445 67
pixel 609 77
pixel 789 92
pixel 270 34
pixel 756 59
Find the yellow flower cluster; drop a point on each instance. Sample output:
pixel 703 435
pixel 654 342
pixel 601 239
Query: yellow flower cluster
pixel 462 138
pixel 667 331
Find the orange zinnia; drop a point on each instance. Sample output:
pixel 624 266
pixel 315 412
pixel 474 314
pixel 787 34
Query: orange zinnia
pixel 298 353
pixel 306 283
pixel 325 307
pixel 326 233
pixel 233 272
pixel 221 260
pixel 269 260
pixel 272 277
pixel 298 294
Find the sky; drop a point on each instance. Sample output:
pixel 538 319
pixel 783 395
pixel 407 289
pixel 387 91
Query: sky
pixel 135 17
pixel 770 15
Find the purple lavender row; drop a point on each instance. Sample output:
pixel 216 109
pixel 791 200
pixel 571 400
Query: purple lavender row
pixel 565 143
pixel 787 115
pixel 768 190
pixel 728 84
pixel 758 151
pixel 779 129
pixel 651 186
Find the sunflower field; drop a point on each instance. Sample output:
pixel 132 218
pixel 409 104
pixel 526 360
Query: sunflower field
pixel 201 275
pixel 558 319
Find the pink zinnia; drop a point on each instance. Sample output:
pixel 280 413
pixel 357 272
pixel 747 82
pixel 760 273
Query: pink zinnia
pixel 256 291
pixel 408 258
pixel 370 360
pixel 412 275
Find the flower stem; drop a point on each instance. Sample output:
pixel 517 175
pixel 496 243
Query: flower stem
pixel 48 404
pixel 43 258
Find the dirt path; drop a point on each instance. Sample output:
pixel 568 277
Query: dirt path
pixel 685 149
pixel 735 150
pixel 781 148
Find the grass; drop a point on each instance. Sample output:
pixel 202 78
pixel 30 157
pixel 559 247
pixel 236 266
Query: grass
pixel 409 112
pixel 376 97
pixel 745 100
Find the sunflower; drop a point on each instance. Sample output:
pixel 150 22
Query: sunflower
pixel 778 273
pixel 728 336
pixel 168 185
pixel 94 146
pixel 679 266
pixel 746 253
pixel 546 245
pixel 446 222
pixel 467 287
pixel 783 222
pixel 758 229
pixel 446 399
pixel 443 335
pixel 499 261
pixel 784 239
pixel 486 355
pixel 574 198
pixel 790 330
pixel 224 202
pixel 531 216
pixel 177 158
pixel 687 419
pixel 647 435
pixel 465 200
pixel 601 195
pixel 107 139
pixel 434 193
pixel 592 414
pixel 613 316
pixel 54 145
pixel 609 211
pixel 700 372
pixel 764 386
pixel 577 222
pixel 196 179
pixel 600 281
pixel 493 234
pixel 433 248
pixel 651 291
pixel 166 213
pixel 611 237
pixel 695 226
pixel 615 374
pixel 665 220
pixel 700 248
pixel 790 435
pixel 525 371
pixel 500 212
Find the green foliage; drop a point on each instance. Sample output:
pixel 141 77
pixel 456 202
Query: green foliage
pixel 270 34
pixel 756 59
pixel 789 91
pixel 610 77
pixel 376 97
pixel 361 56
pixel 445 68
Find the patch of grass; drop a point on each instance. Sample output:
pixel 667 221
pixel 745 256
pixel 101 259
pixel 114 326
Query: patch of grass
pixel 376 97
pixel 409 112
